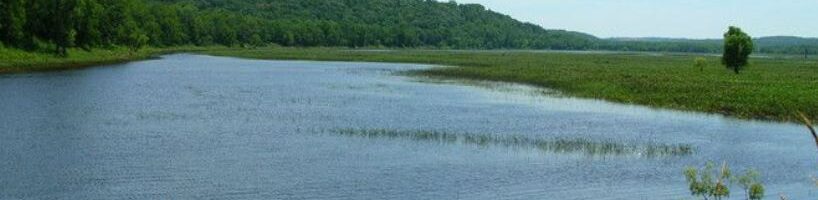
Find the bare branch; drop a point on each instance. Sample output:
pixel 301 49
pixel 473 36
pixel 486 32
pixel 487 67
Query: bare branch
pixel 807 122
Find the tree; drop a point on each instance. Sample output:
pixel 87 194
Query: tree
pixel 56 24
pixel 87 15
pixel 171 29
pixel 256 41
pixel 737 49
pixel 132 36
pixel 12 22
pixel 136 40
pixel 288 39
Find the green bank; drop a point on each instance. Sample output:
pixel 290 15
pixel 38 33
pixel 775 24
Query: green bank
pixel 769 89
pixel 18 61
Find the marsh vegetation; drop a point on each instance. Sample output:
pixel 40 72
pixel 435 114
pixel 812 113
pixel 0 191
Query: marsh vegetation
pixel 17 61
pixel 771 89
pixel 588 147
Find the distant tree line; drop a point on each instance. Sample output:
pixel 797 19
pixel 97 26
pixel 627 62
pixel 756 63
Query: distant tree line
pixel 60 24
pixel 765 45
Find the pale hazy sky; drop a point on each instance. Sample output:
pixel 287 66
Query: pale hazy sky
pixel 665 18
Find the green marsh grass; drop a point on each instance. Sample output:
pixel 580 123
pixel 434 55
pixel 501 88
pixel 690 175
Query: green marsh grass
pixel 769 89
pixel 555 145
pixel 18 61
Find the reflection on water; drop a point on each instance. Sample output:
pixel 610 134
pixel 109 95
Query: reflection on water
pixel 202 127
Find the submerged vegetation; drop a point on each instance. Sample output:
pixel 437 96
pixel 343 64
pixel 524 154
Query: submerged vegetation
pixel 770 89
pixel 555 145
pixel 711 183
pixel 701 183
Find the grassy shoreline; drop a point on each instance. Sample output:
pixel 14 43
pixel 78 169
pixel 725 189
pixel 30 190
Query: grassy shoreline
pixel 770 89
pixel 19 61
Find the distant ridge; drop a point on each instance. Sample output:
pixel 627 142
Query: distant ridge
pixel 419 23
pixel 768 40
pixel 771 44
pixel 59 25
pixel 394 23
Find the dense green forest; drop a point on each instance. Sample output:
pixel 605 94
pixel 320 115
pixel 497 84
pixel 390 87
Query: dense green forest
pixel 54 25
pixel 354 23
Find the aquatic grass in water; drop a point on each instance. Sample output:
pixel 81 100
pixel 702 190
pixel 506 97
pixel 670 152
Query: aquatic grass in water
pixel 556 145
pixel 525 89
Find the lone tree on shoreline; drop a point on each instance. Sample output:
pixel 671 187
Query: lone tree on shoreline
pixel 737 49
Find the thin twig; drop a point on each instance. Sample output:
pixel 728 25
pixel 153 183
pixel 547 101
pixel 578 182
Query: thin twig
pixel 723 172
pixel 808 123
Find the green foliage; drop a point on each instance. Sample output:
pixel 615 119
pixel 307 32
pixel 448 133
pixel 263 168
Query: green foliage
pixel 661 45
pixel 87 15
pixel 256 41
pixel 748 178
pixel 358 23
pixel 703 184
pixel 13 19
pixel 766 45
pixel 696 187
pixel 737 49
pixel 137 40
pixel 750 182
pixel 756 191
pixel 13 60
pixel 349 23
pixel 700 63
pixel 708 183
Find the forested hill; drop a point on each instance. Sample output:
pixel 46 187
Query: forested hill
pixel 353 23
pixel 60 24
pixel 402 23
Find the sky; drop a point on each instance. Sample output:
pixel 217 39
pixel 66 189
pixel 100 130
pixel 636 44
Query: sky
pixel 665 18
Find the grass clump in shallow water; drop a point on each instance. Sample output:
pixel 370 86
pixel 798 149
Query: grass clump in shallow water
pixel 556 145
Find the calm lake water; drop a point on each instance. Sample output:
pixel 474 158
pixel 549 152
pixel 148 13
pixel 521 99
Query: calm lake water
pixel 203 127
